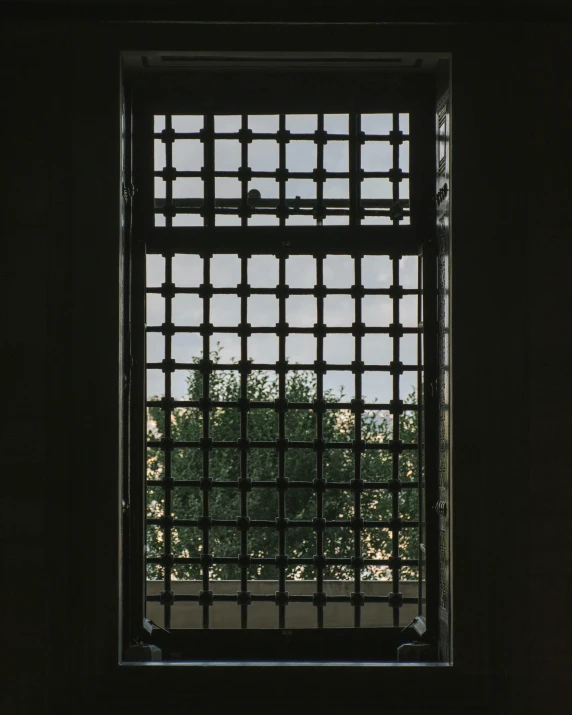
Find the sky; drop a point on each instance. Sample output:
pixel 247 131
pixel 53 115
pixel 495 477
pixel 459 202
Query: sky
pixel 300 270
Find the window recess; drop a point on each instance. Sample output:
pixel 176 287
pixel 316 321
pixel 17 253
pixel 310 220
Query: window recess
pixel 283 242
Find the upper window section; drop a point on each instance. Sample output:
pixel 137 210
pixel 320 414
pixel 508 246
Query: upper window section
pixel 281 169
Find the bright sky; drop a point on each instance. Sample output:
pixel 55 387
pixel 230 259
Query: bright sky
pixel 301 270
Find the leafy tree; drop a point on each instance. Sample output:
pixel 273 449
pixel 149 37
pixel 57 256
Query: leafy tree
pixel 300 425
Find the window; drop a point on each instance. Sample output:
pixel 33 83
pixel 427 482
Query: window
pixel 282 243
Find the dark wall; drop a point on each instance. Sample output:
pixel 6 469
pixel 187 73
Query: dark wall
pixel 512 349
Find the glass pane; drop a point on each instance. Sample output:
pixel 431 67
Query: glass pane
pixel 227 155
pixel 301 123
pixel 339 349
pixel 339 271
pixel 376 123
pixel 263 348
pixel 263 155
pixel 188 188
pixel 263 271
pixel 301 156
pixel 225 271
pixel 301 348
pixel 263 310
pixel 225 310
pixel 377 188
pixel 377 272
pixel 301 311
pixel 186 309
pixel 377 387
pixel 339 310
pixel 188 154
pixel 227 123
pixel 263 123
pixel 155 270
pixel 187 270
pixel 336 123
pixel 376 156
pixel 301 272
pixel 187 123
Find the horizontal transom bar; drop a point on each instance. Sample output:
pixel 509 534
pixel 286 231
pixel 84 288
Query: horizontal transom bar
pixel 392 241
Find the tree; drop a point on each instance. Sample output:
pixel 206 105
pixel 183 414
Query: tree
pixel 186 425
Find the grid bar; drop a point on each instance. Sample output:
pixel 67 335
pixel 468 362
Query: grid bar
pixel 420 439
pixel 167 540
pixel 300 240
pixel 281 448
pixel 244 437
pixel 320 436
pixel 206 438
pixel 396 441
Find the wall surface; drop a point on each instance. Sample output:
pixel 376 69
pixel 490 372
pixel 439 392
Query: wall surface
pixel 512 350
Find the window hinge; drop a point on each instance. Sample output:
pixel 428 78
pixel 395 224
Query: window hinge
pixel 128 367
pixel 433 388
pixel 129 192
pixel 441 195
pixel 124 507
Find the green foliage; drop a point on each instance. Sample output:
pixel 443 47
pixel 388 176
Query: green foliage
pixel 300 465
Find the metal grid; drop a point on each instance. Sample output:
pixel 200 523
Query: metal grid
pixel 205 208
pixel 354 210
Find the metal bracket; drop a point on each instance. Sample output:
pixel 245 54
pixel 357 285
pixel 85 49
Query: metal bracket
pixel 418 624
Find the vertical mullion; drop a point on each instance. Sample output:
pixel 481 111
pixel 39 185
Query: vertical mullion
pixel 320 436
pixel 142 216
pixel 208 139
pixel 431 428
pixel 354 168
pixel 395 454
pixel 282 435
pixel 243 179
pixel 244 431
pixel 395 183
pixel 354 220
pixel 320 164
pixel 209 219
pixel 357 437
pixel 169 166
pixel 168 508
pixel 206 433
pixel 420 435
pixel 243 372
pixel 282 167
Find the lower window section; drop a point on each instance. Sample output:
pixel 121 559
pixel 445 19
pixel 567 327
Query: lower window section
pixel 336 598
pixel 284 490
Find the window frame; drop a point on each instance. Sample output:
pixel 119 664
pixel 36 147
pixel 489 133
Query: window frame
pixel 153 95
pixel 90 618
